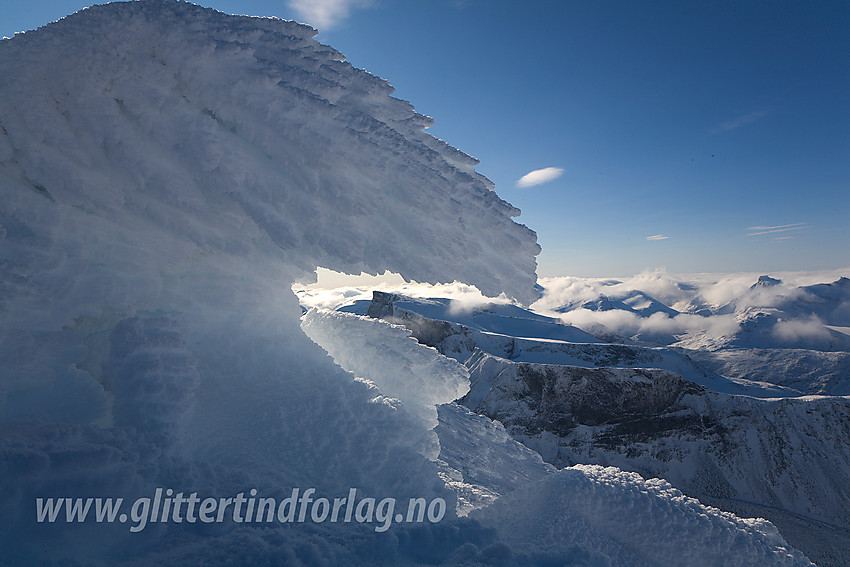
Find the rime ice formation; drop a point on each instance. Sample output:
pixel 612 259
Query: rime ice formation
pixel 628 513
pixel 166 172
pixel 418 376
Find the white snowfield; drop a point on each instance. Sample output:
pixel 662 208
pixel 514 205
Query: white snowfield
pixel 166 173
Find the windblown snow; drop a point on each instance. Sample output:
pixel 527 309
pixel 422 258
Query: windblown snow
pixel 166 173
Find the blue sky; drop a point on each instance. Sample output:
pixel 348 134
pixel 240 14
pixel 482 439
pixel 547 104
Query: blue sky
pixel 696 137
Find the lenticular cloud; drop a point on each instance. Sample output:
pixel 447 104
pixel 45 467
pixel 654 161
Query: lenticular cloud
pixel 539 176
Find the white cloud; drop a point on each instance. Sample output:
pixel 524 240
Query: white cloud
pixel 539 176
pixel 325 14
pixel 760 230
pixel 570 290
pixel 657 237
pixel 686 293
pixel 725 288
pixel 736 123
pixel 679 291
pixel 800 329
pixel 629 324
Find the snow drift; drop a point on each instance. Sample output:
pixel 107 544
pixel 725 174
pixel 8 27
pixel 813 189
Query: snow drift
pixel 166 172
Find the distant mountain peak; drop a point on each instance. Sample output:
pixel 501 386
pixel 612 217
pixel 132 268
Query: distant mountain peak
pixel 766 281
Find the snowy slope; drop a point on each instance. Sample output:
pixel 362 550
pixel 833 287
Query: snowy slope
pixel 830 302
pixel 504 331
pixel 494 318
pixel 808 371
pixel 783 334
pixel 166 173
pixel 788 453
pixel 785 331
pixel 769 327
pixel 632 301
pixel 784 455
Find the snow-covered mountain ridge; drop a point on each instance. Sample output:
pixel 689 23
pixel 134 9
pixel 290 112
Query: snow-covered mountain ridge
pixel 784 456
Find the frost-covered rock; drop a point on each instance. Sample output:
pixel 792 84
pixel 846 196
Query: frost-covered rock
pixel 631 522
pixel 386 355
pixel 480 460
pixel 166 173
pixel 200 137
